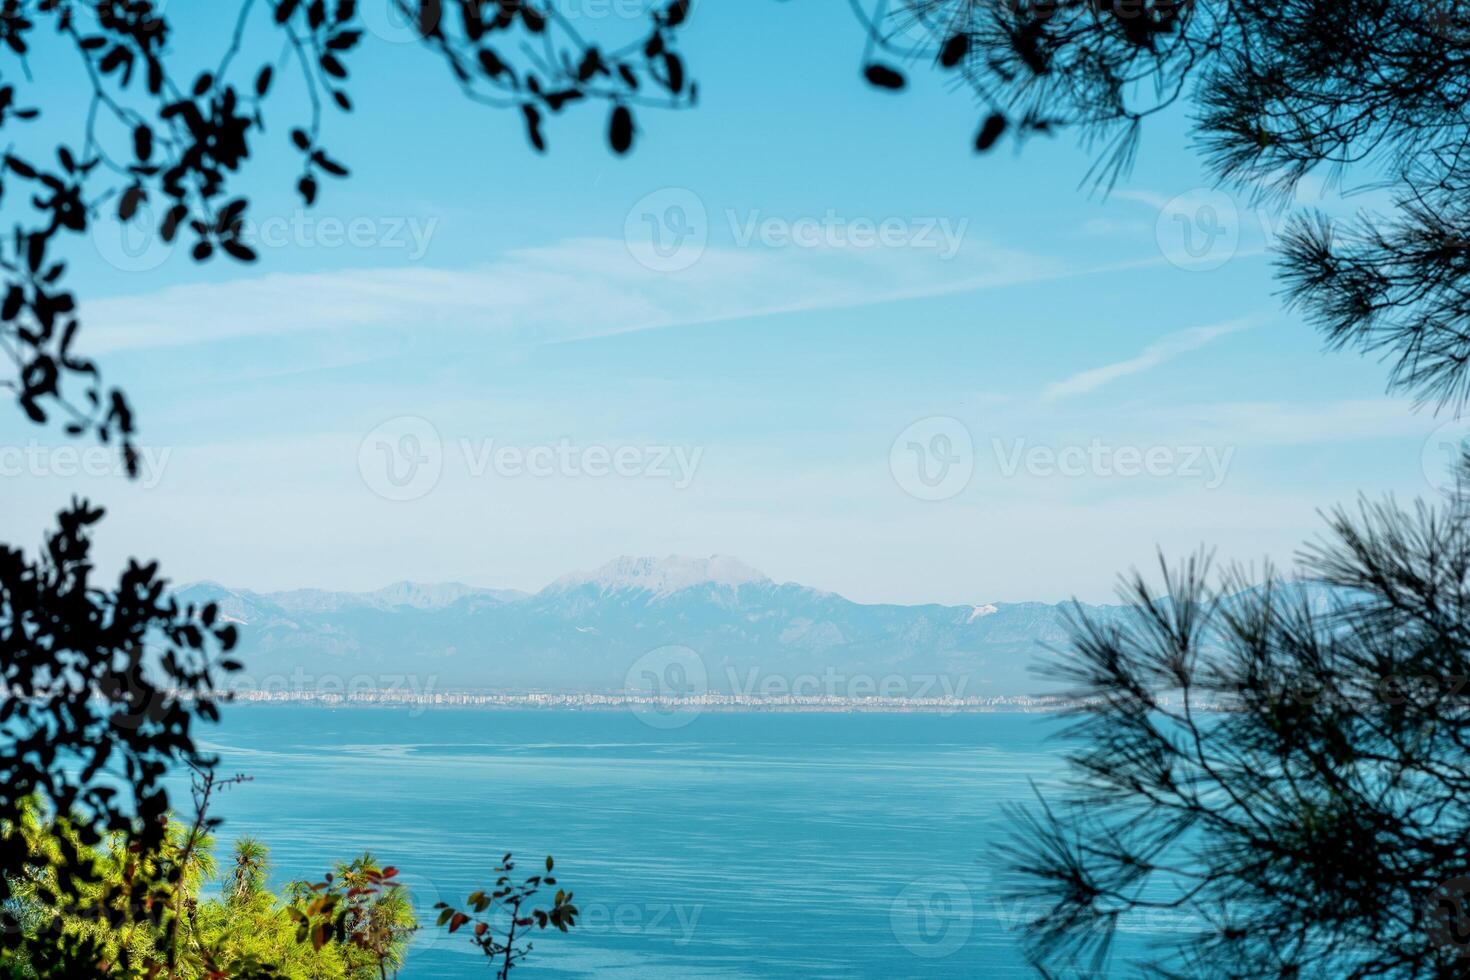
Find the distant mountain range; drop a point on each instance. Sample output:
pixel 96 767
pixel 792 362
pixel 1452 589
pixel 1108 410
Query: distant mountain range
pixel 592 631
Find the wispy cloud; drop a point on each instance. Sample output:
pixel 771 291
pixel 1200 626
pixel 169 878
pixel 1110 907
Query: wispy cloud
pixel 575 289
pixel 1159 352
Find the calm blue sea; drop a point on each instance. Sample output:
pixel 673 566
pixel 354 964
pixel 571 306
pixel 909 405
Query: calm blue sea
pixel 738 845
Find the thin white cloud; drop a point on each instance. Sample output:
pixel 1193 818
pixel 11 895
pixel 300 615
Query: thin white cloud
pixel 1159 352
pixel 1149 199
pixel 572 290
pixel 1259 424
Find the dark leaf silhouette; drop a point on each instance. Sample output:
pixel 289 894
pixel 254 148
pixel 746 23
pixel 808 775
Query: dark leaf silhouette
pixel 97 674
pixel 190 134
pixel 1278 91
pixel 881 76
pixel 620 129
pixel 954 50
pixel 990 131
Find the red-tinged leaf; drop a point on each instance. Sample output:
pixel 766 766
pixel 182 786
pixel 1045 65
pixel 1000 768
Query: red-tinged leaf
pixel 457 920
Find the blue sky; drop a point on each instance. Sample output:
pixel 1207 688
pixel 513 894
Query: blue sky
pixel 773 399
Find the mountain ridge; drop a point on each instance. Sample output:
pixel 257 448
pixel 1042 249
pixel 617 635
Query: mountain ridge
pixel 594 631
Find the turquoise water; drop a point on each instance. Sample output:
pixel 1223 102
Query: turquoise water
pixel 738 845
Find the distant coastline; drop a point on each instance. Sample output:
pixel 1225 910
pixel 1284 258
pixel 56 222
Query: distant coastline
pixel 656 704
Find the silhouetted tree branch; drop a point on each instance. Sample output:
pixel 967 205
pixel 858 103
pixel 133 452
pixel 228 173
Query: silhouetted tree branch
pixel 168 130
pixel 1279 90
pixel 1284 766
pixel 102 686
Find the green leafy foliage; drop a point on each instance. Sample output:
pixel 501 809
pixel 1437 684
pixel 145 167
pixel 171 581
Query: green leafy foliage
pixel 501 918
pixel 362 909
pixel 101 682
pixel 197 920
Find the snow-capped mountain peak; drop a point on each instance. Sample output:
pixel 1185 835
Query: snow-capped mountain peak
pixel 980 612
pixel 663 576
pixel 435 595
